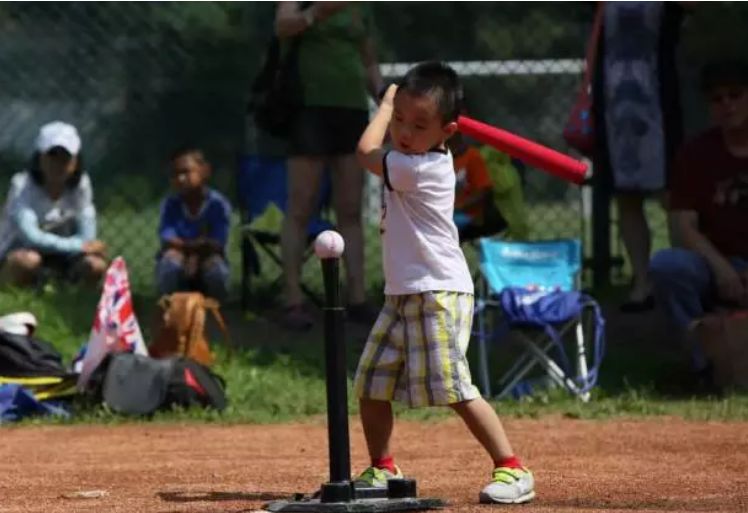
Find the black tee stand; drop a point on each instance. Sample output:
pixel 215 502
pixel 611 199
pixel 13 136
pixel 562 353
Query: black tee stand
pixel 339 494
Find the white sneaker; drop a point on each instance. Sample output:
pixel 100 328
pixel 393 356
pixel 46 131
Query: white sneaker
pixel 509 486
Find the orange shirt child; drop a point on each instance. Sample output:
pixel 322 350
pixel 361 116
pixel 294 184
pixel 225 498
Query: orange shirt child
pixel 472 178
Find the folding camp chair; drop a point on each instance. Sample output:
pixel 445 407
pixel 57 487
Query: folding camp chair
pixel 532 288
pixel 261 182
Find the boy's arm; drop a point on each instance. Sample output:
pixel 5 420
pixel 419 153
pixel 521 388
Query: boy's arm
pixel 167 232
pixel 369 151
pixel 218 233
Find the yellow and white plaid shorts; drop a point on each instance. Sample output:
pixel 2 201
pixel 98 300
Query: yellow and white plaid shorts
pixel 416 350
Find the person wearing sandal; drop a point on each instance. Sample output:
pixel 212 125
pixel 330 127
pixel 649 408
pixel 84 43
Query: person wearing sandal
pixel 638 121
pixel 337 65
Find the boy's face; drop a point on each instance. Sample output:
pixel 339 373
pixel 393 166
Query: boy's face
pixel 189 172
pixel 729 106
pixel 416 125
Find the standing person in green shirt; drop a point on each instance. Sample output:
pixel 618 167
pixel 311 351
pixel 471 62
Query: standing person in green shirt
pixel 337 66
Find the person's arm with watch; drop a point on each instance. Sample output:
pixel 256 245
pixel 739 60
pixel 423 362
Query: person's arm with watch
pixel 291 19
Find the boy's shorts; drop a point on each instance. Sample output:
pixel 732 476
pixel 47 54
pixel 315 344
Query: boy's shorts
pixel 416 351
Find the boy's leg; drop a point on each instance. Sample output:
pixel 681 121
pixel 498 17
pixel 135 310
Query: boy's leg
pixel 170 272
pixel 484 424
pixel 511 482
pixel 214 276
pixel 378 420
pixel 444 321
pixel 377 377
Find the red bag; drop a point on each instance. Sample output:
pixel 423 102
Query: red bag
pixel 579 131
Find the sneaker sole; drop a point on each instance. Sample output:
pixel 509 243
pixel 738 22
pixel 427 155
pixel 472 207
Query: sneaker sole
pixel 487 499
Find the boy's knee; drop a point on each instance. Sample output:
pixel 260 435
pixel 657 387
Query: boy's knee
pixel 173 256
pixel 214 264
pixel 215 277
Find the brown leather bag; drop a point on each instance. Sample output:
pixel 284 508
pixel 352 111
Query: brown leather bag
pixel 180 327
pixel 724 338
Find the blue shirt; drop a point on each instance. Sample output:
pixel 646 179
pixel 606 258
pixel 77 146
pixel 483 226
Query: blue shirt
pixel 212 221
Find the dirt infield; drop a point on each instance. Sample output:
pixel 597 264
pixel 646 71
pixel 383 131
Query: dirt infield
pixel 653 465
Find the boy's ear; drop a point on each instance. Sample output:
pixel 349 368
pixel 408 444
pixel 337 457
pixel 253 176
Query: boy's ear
pixel 450 129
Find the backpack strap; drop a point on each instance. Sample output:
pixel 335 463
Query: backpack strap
pixel 213 306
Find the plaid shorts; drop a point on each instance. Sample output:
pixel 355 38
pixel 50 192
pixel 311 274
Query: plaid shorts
pixel 415 353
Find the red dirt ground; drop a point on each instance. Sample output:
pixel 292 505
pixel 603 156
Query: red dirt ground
pixel 661 464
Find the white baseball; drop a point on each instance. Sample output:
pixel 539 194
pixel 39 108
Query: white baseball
pixel 329 244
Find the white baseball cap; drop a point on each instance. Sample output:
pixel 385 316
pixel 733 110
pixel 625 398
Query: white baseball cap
pixel 60 134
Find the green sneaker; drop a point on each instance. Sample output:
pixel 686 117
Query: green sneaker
pixel 509 486
pixel 374 477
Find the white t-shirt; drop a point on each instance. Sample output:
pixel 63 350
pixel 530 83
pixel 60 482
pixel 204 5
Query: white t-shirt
pixel 420 246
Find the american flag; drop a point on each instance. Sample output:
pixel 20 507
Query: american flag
pixel 115 327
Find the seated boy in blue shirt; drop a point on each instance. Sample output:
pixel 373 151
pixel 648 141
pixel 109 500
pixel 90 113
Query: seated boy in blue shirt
pixel 193 230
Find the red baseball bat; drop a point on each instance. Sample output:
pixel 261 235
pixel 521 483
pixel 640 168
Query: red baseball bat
pixel 532 153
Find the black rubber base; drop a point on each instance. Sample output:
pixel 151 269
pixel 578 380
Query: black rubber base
pixel 400 495
pixel 357 506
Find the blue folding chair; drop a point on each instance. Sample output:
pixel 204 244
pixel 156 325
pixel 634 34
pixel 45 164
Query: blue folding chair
pixel 532 287
pixel 261 182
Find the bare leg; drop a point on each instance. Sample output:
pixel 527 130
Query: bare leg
pixel 92 269
pixel 22 266
pixel 484 424
pixel 637 239
pixel 304 178
pixel 672 228
pixel 378 419
pixel 348 185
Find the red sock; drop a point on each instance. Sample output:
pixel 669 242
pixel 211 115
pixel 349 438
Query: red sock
pixel 384 463
pixel 510 462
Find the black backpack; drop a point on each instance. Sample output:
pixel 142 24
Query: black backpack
pixel 26 356
pixel 134 384
pixel 192 384
pixel 276 93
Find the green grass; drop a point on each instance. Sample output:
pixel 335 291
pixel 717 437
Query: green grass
pixel 279 377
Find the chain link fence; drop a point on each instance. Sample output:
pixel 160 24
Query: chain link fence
pixel 138 79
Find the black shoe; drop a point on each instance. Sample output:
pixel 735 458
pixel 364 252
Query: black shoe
pixel 646 304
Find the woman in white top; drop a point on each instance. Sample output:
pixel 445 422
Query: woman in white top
pixel 49 220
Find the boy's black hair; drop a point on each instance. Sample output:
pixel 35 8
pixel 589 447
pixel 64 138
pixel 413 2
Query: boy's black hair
pixel 35 170
pixel 186 149
pixel 438 80
pixel 724 73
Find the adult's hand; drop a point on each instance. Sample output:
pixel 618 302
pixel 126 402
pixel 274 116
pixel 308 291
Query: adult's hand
pixel 94 247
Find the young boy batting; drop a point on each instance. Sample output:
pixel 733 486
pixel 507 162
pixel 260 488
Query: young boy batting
pixel 416 350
